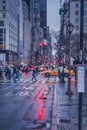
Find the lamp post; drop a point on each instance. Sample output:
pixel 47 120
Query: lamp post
pixel 70 28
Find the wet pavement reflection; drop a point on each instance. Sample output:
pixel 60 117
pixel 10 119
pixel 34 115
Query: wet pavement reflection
pixel 67 108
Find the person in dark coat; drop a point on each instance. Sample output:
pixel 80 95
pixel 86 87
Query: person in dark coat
pixel 34 75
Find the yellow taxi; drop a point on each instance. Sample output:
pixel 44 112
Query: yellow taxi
pixel 66 72
pixel 48 73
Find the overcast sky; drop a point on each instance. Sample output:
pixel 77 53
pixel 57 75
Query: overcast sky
pixel 53 14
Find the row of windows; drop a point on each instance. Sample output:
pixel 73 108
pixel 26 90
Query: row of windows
pixel 77 12
pixel 12 27
pixel 1 23
pixel 3 4
pixel 2 35
pixel 13 36
pixel 77 28
pixel 77 5
pixel 12 39
pixel 77 20
pixel 3 38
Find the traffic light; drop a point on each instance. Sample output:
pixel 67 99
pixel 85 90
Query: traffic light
pixel 40 44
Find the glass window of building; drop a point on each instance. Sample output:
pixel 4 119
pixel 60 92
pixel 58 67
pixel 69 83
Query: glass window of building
pixel 4 7
pixel 4 1
pixel 77 28
pixel 85 12
pixel 76 20
pixel 85 5
pixel 85 20
pixel 1 23
pixel 4 15
pixel 1 36
pixel 1 31
pixel 77 12
pixel 77 5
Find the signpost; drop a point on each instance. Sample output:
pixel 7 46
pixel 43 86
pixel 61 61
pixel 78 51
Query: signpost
pixel 81 89
pixel 63 121
pixel 81 78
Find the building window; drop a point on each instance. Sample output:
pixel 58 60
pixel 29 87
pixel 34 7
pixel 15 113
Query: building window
pixel 4 15
pixel 85 5
pixel 77 5
pixel 76 27
pixel 85 20
pixel 85 12
pixel 76 12
pixel 76 20
pixel 4 1
pixel 1 36
pixel 1 23
pixel 4 7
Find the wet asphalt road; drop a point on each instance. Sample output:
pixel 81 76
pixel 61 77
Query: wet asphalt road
pixel 28 106
pixel 25 105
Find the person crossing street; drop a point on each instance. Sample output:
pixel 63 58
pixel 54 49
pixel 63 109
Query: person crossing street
pixel 34 75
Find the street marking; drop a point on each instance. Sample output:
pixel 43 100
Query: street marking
pixel 7 94
pixel 23 93
pixel 25 80
pixel 27 88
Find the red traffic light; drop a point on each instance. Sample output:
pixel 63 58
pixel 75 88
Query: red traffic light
pixel 40 44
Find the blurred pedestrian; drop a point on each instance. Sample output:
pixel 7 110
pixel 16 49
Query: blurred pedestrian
pixel 37 70
pixel 9 74
pixel 61 74
pixel 17 73
pixel 26 70
pixel 14 74
pixel 34 75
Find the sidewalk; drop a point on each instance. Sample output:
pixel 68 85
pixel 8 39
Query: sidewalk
pixel 67 107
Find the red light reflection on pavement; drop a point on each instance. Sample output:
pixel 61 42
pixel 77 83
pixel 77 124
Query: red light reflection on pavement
pixel 40 113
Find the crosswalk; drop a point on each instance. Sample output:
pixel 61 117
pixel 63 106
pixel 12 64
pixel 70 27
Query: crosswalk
pixel 24 87
pixel 42 80
pixel 39 78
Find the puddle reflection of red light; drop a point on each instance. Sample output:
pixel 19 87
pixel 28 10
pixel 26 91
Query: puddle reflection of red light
pixel 40 113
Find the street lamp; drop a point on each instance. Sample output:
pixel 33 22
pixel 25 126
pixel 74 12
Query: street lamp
pixel 70 28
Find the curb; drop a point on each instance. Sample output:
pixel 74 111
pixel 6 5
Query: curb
pixel 54 111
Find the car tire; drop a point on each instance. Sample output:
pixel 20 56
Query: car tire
pixel 47 75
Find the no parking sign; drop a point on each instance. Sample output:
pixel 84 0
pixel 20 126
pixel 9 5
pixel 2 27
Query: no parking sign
pixel 81 78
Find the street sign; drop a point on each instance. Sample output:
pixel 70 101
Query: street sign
pixel 81 78
pixel 64 120
pixel 48 125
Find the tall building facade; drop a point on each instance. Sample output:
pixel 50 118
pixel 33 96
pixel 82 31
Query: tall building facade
pixel 8 31
pixel 43 14
pixel 26 34
pixel 39 29
pixel 20 32
pixel 70 13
